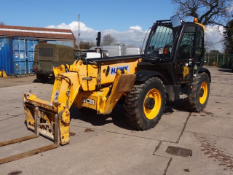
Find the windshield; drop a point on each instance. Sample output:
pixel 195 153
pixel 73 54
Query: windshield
pixel 161 38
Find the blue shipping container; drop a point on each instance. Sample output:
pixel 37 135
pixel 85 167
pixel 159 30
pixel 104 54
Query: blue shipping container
pixel 30 45
pixel 29 67
pixel 30 56
pixel 19 44
pixel 31 49
pixel 6 55
pixel 19 56
pixel 20 68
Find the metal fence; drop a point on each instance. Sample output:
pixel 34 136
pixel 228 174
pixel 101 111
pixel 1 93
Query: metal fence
pixel 218 59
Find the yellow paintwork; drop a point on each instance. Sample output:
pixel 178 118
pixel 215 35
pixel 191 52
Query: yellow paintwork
pixel 109 79
pixel 3 73
pixel 185 71
pixel 202 99
pixel 195 20
pixel 102 103
pixel 152 113
pixel 81 85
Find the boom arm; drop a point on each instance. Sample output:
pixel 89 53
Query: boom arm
pixel 98 87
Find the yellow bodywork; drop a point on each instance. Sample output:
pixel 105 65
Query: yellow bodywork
pixel 185 71
pixel 93 86
pixel 195 20
pixel 3 73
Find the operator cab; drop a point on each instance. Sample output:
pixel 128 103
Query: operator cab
pixel 178 43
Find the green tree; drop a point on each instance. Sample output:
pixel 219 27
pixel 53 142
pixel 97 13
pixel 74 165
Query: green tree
pixel 207 11
pixel 228 37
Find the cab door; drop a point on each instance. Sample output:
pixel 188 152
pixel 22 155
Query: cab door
pixel 185 59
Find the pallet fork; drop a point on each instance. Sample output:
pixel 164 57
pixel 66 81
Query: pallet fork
pixel 35 135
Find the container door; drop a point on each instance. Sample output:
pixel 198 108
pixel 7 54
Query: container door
pixel 6 62
pixel 30 47
pixel 19 56
pixel 29 67
pixel 20 67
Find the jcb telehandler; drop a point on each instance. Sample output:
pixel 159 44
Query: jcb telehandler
pixel 171 65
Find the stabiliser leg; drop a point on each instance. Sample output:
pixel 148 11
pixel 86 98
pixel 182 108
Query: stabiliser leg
pixel 35 151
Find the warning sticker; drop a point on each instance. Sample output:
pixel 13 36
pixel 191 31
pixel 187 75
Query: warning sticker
pixel 56 95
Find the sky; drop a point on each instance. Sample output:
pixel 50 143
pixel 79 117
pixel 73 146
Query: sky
pixel 126 20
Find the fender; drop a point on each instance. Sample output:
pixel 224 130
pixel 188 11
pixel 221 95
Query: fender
pixel 202 69
pixel 144 75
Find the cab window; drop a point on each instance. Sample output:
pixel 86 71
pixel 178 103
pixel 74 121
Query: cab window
pixel 186 49
pixel 199 45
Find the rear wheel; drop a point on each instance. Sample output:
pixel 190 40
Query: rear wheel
pixel 144 104
pixel 198 98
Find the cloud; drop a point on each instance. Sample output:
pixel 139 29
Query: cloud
pixel 133 36
pixel 214 36
pixel 136 28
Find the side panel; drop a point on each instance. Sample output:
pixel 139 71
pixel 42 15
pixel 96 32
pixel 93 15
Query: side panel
pixel 144 75
pixel 45 66
pixel 108 71
pixel 165 71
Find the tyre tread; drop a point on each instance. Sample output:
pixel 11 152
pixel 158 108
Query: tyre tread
pixel 131 107
pixel 191 101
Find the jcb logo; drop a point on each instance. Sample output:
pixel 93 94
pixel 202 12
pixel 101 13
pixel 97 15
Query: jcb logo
pixel 114 69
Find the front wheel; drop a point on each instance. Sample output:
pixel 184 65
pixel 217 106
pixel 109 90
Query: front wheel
pixel 145 103
pixel 198 98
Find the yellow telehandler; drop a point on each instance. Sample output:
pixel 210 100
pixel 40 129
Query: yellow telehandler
pixel 171 65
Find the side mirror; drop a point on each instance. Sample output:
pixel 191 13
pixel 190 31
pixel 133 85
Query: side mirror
pixel 175 21
pixel 98 38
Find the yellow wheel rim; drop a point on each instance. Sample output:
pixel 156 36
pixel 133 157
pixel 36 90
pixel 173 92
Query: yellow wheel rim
pixel 202 99
pixel 152 111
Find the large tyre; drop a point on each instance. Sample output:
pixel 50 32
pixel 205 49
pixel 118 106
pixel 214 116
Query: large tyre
pixel 198 98
pixel 145 103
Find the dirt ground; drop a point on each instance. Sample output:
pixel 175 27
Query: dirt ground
pixel 15 81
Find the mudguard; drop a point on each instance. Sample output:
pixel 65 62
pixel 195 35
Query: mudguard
pixel 145 75
pixel 202 69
